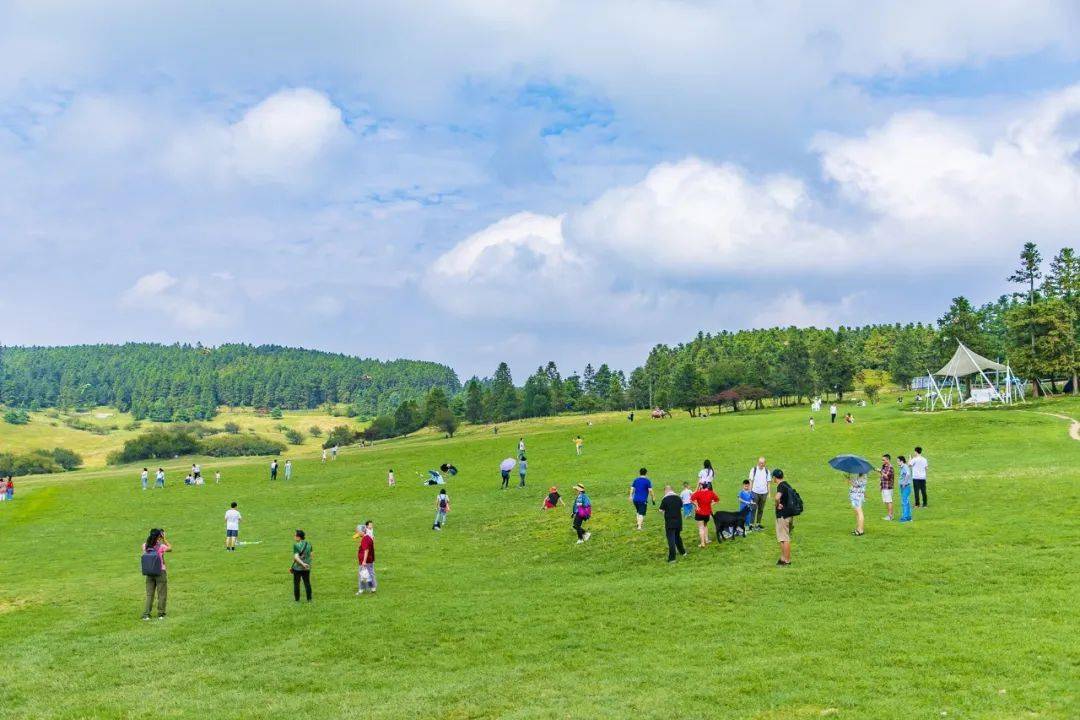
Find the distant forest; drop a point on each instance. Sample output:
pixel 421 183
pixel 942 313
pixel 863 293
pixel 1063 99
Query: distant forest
pixel 189 382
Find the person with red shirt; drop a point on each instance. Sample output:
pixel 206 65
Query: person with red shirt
pixel 703 500
pixel 365 556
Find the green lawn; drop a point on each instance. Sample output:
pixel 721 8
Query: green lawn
pixel 970 611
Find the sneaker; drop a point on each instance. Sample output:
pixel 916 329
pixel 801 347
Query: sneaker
pixel 588 535
pixel 579 542
pixel 782 563
pixel 161 616
pixel 145 617
pixel 359 592
pixel 887 518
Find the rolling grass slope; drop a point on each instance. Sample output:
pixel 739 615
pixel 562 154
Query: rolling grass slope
pixel 968 612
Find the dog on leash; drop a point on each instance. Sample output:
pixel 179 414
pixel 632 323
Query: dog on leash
pixel 733 522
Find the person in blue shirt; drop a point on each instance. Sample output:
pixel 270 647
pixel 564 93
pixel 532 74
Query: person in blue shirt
pixel 746 503
pixel 640 494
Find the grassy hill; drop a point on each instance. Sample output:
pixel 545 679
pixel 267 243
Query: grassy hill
pixel 48 429
pixel 968 612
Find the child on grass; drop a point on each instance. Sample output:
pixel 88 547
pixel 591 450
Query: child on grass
pixel 746 503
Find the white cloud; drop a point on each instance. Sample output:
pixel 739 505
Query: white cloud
pixel 190 304
pixel 792 308
pixel 275 141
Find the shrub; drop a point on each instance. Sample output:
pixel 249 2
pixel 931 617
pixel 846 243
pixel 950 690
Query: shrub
pixel 239 445
pixel 276 413
pixel 157 443
pixel 445 421
pixel 380 428
pixel 67 459
pixel 33 464
pixel 14 416
pixel 315 431
pixel 295 437
pixel 231 428
pixel 133 425
pixel 341 435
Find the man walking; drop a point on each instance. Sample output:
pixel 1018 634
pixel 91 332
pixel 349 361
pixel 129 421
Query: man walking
pixel 759 486
pixel 785 519
pixel 232 527
pixel 366 558
pixel 887 481
pixel 918 476
pixel 273 469
pixel 640 493
pixel 832 413
pixel 671 507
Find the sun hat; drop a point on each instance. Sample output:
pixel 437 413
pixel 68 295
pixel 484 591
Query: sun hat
pixel 579 487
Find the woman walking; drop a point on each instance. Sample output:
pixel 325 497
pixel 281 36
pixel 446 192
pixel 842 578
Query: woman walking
pixel 301 566
pixel 9 491
pixel 857 494
pixel 581 511
pixel 154 550
pixel 905 489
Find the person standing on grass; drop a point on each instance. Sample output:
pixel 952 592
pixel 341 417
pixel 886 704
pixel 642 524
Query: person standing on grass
pixel 759 485
pixel 288 469
pixel 365 556
pixel 273 469
pixel 232 527
pixel 442 506
pixel 579 444
pixel 641 493
pixel 905 489
pixel 671 507
pixel 746 503
pixel 857 494
pixel 196 471
pixel 785 520
pixel 324 454
pixel 523 467
pixel 217 477
pixel 687 504
pixel 333 453
pixel 301 566
pixel 703 499
pixel 706 475
pixel 144 476
pixel 581 511
pixel 832 413
pixel 919 466
pixel 159 478
pixel 888 478
pixel 521 448
pixel 155 572
pixel 390 478
pixel 811 422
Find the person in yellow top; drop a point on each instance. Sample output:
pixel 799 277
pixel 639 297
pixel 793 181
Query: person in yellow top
pixel 579 444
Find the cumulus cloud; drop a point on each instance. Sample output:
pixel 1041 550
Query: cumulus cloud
pixel 275 141
pixel 191 304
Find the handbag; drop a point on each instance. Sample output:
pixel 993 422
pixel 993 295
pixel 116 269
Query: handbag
pixel 365 576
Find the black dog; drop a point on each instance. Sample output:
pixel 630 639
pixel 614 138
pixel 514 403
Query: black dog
pixel 735 522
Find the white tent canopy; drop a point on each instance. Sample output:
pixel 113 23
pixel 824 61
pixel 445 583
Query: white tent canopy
pixel 964 362
pixel 973 367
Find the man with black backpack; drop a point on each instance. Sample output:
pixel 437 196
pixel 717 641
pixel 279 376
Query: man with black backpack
pixel 788 505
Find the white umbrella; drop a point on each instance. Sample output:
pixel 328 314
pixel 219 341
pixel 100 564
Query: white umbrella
pixel 508 464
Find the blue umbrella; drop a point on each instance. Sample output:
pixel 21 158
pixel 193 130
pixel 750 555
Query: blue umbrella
pixel 852 464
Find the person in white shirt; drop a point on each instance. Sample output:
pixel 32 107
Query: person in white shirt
pixel 217 476
pixel 918 476
pixel 706 475
pixel 324 454
pixel 288 469
pixel 759 486
pixel 832 413
pixel 232 527
pixel 145 477
pixel 390 478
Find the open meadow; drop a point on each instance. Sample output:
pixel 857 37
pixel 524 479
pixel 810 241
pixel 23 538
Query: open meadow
pixel 968 612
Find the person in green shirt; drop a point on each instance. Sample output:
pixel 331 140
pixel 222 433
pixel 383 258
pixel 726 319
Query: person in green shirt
pixel 301 566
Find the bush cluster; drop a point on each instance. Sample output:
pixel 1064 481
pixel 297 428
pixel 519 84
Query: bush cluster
pixel 39 462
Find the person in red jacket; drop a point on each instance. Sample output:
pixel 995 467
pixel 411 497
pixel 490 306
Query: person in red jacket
pixel 365 556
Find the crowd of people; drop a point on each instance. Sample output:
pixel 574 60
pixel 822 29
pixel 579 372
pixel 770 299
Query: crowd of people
pixel 762 490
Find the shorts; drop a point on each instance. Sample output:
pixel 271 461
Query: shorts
pixel 701 518
pixel 642 508
pixel 783 529
pixel 857 500
pixel 886 495
pixel 232 533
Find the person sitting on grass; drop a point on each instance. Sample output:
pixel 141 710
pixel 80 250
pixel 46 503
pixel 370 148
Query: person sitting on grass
pixel 552 499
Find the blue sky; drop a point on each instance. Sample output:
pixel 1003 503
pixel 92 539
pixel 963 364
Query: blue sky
pixel 474 181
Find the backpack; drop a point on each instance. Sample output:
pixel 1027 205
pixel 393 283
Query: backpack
pixel 151 562
pixel 794 503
